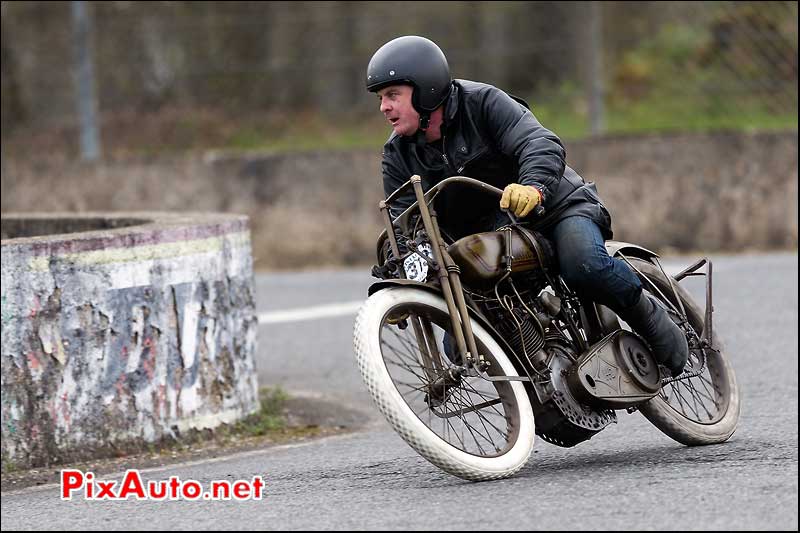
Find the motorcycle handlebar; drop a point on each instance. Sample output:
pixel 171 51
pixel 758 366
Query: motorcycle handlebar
pixel 538 211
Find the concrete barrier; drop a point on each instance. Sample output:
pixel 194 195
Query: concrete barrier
pixel 711 192
pixel 138 328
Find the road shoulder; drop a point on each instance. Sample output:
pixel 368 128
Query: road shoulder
pixel 306 419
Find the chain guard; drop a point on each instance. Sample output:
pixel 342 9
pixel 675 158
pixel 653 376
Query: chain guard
pixel 616 373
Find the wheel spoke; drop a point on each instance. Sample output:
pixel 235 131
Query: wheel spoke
pixel 470 418
pixel 407 367
pixel 410 369
pixel 412 351
pixel 711 394
pixel 694 400
pixel 463 404
pixel 697 395
pixel 411 387
pixel 486 399
pixel 678 396
pixel 455 432
pixel 481 414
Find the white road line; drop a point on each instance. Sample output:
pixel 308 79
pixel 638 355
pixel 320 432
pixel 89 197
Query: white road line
pixel 310 313
pixel 346 308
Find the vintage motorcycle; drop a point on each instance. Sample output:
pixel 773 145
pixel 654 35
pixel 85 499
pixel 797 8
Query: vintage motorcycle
pixel 471 347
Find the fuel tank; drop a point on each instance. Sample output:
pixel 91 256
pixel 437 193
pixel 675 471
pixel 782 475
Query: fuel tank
pixel 480 256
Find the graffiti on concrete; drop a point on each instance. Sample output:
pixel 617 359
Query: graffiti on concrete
pixel 99 351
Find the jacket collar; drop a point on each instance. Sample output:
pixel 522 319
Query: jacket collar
pixel 451 107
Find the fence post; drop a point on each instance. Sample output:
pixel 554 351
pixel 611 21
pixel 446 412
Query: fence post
pixel 596 86
pixel 86 99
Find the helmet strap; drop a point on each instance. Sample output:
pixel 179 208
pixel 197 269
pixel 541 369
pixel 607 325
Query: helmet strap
pixel 424 121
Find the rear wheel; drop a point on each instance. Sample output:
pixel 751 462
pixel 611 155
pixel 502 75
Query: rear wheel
pixel 455 418
pixel 698 410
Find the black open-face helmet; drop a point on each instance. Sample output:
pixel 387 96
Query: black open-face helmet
pixel 414 61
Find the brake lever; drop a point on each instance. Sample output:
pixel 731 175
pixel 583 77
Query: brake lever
pixel 510 215
pixel 538 211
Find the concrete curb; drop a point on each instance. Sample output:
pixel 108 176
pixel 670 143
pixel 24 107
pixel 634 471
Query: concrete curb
pixel 137 330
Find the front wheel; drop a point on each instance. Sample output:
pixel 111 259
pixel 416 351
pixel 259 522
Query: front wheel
pixel 694 410
pixel 466 425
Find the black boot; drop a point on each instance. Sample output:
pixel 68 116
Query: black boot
pixel 666 339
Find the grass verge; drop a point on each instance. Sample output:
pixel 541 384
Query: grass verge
pixel 273 424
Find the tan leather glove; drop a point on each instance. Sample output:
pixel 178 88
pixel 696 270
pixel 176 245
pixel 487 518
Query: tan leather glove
pixel 520 199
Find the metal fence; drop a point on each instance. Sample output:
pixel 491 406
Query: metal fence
pixel 586 67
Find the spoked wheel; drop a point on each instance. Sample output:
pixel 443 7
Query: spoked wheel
pixel 703 406
pixel 449 413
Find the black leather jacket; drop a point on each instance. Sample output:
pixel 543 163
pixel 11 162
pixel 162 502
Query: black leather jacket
pixel 490 136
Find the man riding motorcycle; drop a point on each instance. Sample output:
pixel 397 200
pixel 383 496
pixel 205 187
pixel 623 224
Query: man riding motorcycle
pixel 446 127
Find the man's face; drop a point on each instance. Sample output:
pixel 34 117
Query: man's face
pixel 396 107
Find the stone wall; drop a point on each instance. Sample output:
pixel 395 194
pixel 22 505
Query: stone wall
pixel 117 337
pixel 709 192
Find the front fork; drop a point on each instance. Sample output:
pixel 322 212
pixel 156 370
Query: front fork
pixel 449 280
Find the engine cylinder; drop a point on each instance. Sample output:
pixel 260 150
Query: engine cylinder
pixel 521 333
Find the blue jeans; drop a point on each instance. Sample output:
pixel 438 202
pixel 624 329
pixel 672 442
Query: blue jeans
pixel 588 269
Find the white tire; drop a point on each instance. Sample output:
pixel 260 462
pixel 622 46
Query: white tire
pixel 457 459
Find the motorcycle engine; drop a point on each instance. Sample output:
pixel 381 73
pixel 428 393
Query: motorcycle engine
pixel 560 418
pixel 524 321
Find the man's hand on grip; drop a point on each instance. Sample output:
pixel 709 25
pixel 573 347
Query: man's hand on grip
pixel 520 199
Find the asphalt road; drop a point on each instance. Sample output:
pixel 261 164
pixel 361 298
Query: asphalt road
pixel 630 476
